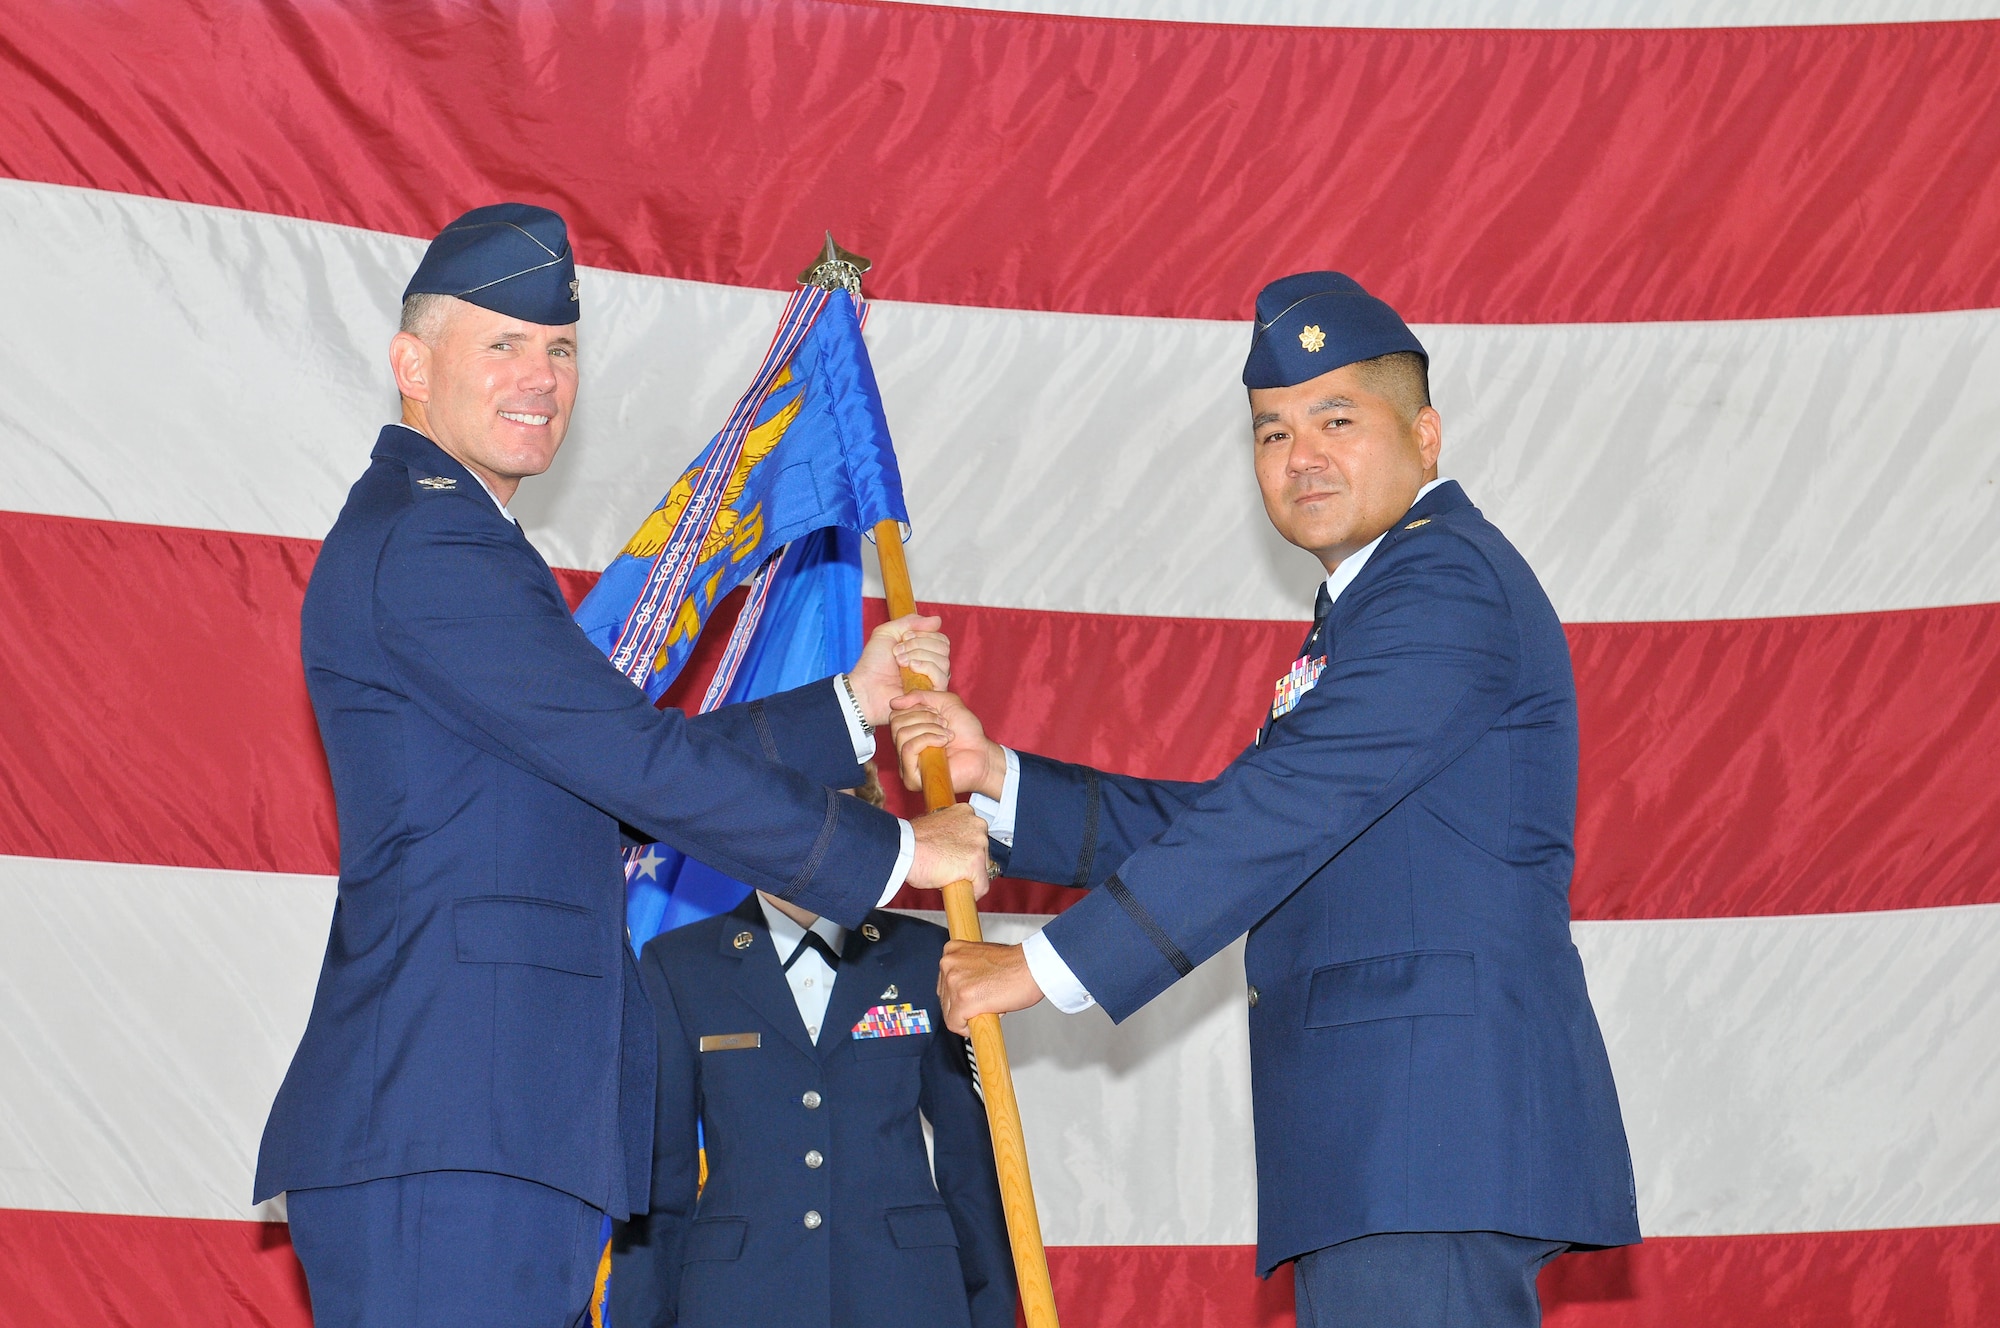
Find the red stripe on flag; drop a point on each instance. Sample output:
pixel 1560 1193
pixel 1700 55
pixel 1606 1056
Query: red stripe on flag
pixel 89 1270
pixel 1765 766
pixel 95 1270
pixel 1057 163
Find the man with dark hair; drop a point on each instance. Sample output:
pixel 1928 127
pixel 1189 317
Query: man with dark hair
pixel 474 1090
pixel 1435 1114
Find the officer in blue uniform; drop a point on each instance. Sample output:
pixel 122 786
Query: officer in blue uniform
pixel 474 1089
pixel 1435 1113
pixel 805 1052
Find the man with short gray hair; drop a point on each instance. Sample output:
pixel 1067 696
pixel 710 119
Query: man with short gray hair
pixel 473 1093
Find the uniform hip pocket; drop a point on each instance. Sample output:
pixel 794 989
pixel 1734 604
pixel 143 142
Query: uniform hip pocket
pixel 719 1238
pixel 516 929
pixel 1397 986
pixel 922 1226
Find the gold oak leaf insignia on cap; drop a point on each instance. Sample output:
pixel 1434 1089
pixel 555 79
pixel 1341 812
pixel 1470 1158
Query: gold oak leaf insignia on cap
pixel 1311 337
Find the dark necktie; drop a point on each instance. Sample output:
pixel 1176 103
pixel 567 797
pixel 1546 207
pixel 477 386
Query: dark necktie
pixel 814 941
pixel 1322 606
pixel 1314 643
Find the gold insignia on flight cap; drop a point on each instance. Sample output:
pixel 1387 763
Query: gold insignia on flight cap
pixel 742 941
pixel 438 482
pixel 1420 521
pixel 871 931
pixel 1311 337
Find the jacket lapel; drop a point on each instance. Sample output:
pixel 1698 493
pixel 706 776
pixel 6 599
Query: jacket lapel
pixel 759 976
pixel 863 977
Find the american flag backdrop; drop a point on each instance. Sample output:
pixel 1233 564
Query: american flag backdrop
pixel 1715 323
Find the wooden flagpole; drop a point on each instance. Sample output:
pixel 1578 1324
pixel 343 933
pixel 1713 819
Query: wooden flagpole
pixel 996 1078
pixel 837 269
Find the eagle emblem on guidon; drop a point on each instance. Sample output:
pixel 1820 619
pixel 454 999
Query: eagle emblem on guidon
pixel 1311 337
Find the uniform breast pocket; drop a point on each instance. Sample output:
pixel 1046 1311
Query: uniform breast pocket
pixel 905 1044
pixel 1396 986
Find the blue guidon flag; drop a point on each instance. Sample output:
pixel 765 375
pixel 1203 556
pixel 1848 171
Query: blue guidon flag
pixel 805 449
pixel 779 497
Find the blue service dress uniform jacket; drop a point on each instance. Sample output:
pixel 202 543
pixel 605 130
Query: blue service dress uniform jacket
pixel 478 1008
pixel 1424 1056
pixel 890 1249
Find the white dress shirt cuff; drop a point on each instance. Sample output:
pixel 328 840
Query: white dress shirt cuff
pixel 1053 976
pixel 864 741
pixel 999 816
pixel 906 857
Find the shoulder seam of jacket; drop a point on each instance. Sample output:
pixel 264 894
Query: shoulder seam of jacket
pixel 1154 932
pixel 1093 801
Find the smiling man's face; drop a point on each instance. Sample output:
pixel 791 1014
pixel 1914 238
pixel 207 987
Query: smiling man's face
pixel 1340 457
pixel 493 391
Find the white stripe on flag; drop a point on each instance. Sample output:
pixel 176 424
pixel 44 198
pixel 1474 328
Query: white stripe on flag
pixel 200 367
pixel 1777 1074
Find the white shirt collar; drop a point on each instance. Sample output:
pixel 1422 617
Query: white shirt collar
pixel 786 934
pixel 468 470
pixel 1343 576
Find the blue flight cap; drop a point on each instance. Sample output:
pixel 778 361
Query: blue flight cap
pixel 509 257
pixel 1314 322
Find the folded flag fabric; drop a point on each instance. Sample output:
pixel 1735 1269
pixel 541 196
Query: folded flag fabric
pixel 805 448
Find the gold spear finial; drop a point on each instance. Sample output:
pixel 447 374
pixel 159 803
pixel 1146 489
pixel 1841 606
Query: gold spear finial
pixel 836 269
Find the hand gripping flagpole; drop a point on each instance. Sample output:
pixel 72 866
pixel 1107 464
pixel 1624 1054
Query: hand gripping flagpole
pixel 836 269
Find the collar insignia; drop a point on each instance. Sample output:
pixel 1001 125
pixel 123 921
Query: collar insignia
pixel 871 931
pixel 743 940
pixel 1420 521
pixel 438 482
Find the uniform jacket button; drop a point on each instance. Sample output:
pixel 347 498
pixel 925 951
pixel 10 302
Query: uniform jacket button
pixel 813 1219
pixel 811 1099
pixel 1253 995
pixel 815 1159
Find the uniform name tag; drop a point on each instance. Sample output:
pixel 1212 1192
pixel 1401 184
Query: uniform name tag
pixel 1292 688
pixel 731 1041
pixel 893 1021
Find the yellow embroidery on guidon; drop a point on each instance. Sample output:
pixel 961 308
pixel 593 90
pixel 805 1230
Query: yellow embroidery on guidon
pixel 1311 337
pixel 1420 521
